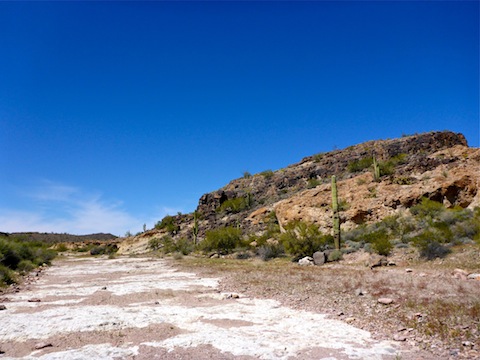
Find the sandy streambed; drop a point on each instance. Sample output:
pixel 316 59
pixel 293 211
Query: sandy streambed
pixel 140 308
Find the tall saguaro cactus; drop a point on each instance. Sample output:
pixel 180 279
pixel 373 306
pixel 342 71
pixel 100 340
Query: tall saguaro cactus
pixel 336 216
pixel 195 227
pixel 376 170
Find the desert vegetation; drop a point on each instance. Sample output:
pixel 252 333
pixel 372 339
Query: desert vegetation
pixel 19 256
pixel 429 227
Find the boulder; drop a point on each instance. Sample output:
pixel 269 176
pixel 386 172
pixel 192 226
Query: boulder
pixel 376 260
pixel 319 258
pixel 306 261
pixel 385 301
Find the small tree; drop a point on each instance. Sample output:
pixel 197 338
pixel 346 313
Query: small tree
pixel 222 240
pixel 301 239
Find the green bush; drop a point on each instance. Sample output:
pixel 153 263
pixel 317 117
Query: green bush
pixel 22 256
pixel 267 174
pixel 301 239
pixel 168 245
pixel 106 249
pixel 382 246
pixel 318 157
pixel 7 276
pixel 313 183
pixel 25 266
pixel 429 247
pixel 223 240
pixel 61 247
pixel 359 165
pixel 334 255
pixel 427 209
pixel 270 250
pixel 235 205
pixel 168 223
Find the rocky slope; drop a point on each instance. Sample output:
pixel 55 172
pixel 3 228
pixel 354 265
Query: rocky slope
pixel 436 165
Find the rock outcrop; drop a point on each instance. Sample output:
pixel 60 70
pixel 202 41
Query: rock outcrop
pixel 436 165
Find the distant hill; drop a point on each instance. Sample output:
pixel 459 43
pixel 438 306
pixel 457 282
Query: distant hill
pixel 439 166
pixel 56 238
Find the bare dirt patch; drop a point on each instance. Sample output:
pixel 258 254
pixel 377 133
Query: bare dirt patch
pixel 433 314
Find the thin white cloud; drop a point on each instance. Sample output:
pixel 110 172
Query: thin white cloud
pixel 62 208
pixel 50 191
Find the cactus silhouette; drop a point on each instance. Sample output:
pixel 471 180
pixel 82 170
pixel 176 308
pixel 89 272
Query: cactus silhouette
pixel 336 216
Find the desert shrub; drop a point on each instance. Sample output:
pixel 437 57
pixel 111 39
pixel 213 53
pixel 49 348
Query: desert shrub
pixel 21 255
pixel 354 245
pixel 313 183
pixel 379 238
pixel 270 250
pixel 184 246
pixel 267 174
pixel 167 223
pixel 429 247
pixel 318 157
pixel 301 239
pixel 25 266
pixel 360 164
pixel 361 181
pixel 167 245
pixel 355 234
pixel 368 248
pixel 235 205
pixel 403 180
pixel 223 240
pixel 61 247
pixel 334 255
pixel 178 255
pixel 44 256
pixel 7 276
pixel 388 167
pixel 85 248
pixel 427 209
pixel 105 249
pixel 382 246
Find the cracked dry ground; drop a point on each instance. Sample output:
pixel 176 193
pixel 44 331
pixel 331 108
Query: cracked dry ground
pixel 143 308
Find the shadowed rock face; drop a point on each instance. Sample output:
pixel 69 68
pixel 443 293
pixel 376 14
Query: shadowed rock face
pixel 437 165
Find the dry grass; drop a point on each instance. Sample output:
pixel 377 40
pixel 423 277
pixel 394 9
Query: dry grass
pixel 434 307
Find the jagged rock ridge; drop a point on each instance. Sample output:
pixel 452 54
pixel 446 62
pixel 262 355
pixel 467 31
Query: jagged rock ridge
pixel 437 165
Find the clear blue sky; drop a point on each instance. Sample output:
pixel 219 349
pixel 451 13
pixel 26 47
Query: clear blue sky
pixel 113 114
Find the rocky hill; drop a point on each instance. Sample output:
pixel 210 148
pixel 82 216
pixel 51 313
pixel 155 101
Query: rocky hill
pixel 52 238
pixel 436 165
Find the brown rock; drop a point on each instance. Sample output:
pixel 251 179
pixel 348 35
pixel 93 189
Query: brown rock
pixel 376 260
pixel 34 300
pixel 460 274
pixel 42 345
pixel 319 258
pixel 385 301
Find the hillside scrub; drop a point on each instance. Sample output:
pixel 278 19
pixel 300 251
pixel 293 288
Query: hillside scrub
pixel 428 226
pixel 18 257
pixel 302 239
pixel 222 240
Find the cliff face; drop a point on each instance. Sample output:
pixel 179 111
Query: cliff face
pixel 437 165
